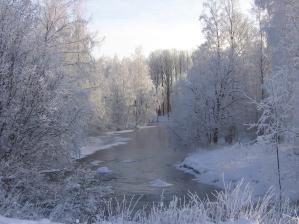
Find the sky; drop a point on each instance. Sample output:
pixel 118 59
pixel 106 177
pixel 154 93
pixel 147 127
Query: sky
pixel 150 24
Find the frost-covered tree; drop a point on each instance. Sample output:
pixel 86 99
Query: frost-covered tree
pixel 125 96
pixel 166 68
pixel 282 32
pixel 40 92
pixel 279 120
pixel 221 71
pixel 277 110
pixel 145 97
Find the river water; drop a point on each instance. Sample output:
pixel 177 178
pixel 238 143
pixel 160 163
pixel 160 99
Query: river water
pixel 146 166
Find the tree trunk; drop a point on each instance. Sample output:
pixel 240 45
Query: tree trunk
pixel 278 170
pixel 215 136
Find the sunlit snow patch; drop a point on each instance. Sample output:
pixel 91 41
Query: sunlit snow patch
pixel 159 183
pixel 94 144
pixel 120 132
pixel 146 127
pixel 104 170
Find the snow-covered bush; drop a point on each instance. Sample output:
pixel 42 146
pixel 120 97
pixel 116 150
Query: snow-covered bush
pixel 81 199
pixel 64 195
pixel 233 205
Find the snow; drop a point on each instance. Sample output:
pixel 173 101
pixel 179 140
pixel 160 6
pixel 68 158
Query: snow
pixel 255 164
pixel 94 144
pixel 106 141
pixel 121 132
pixel 131 130
pixel 104 170
pixel 240 221
pixel 4 220
pixel 146 127
pixel 159 183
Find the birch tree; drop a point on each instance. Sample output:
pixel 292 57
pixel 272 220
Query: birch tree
pixel 279 120
pixel 224 67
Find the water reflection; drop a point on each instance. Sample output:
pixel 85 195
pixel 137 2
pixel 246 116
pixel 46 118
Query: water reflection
pixel 146 166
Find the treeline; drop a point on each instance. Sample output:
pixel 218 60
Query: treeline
pixel 166 68
pixel 245 75
pixel 124 95
pixel 135 90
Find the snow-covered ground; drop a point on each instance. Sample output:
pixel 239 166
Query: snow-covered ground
pixel 146 127
pixel 255 164
pixel 240 221
pixel 108 140
pixel 94 144
pixel 120 132
pixel 4 220
pixel 130 130
pixel 232 206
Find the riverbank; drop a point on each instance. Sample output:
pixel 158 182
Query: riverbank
pixel 232 206
pixel 142 167
pixel 256 164
pixel 106 141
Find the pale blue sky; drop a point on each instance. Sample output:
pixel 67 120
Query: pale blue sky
pixel 152 24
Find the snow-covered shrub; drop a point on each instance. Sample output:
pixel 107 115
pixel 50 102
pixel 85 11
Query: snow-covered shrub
pixel 121 209
pixel 26 194
pixel 64 195
pixel 232 206
pixel 235 203
pixel 80 198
